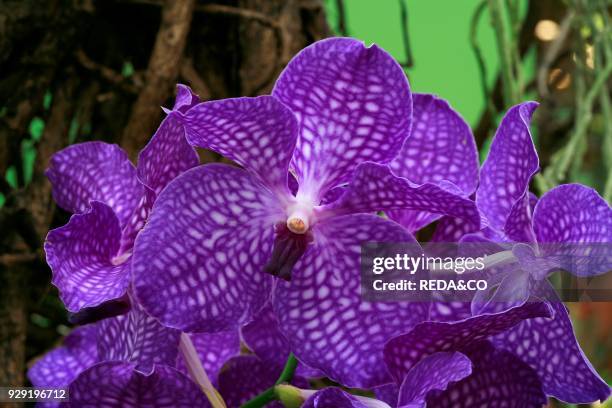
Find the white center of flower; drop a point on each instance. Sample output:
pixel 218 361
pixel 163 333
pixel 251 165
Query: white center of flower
pixel 300 217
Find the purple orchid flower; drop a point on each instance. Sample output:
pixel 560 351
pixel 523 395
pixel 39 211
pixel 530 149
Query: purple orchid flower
pixel 338 114
pixel 540 234
pixel 63 364
pixel 337 398
pixel 441 150
pixel 131 360
pixel 467 369
pixel 90 257
pixel 433 373
pixel 264 338
pixel 246 376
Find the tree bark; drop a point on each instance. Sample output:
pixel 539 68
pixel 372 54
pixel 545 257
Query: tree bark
pixel 161 74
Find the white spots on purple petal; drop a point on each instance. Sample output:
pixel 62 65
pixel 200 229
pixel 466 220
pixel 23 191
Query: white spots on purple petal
pixel 333 329
pixel 403 352
pixel 331 86
pixel 139 338
pixel 549 346
pixel 60 366
pixel 166 156
pixel 258 133
pixel 118 384
pixel 375 188
pixel 94 171
pixel 81 255
pixel 227 237
pixel 512 159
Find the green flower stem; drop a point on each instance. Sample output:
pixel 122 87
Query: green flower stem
pixel 288 371
pixel 482 68
pixel 505 48
pixel 270 394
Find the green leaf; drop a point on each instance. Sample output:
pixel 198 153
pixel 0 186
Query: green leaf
pixel 47 100
pixel 127 70
pixel 37 126
pixel 11 176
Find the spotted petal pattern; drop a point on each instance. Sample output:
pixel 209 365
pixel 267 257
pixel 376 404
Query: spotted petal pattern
pixel 244 377
pixel 137 337
pixel 353 104
pixel 263 337
pixel 204 248
pixel 214 349
pixel 322 314
pixel 375 188
pixel 549 346
pixel 441 146
pixel 403 352
pixel 570 215
pixel 166 156
pixel 434 372
pixel 185 98
pixel 94 171
pixel 81 254
pixel 450 229
pixel 257 133
pixel 499 379
pixel 118 384
pixel 60 366
pixel 519 225
pixel 511 163
pixel 332 397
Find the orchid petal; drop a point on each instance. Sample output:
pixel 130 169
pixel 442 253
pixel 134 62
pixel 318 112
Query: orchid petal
pixel 60 366
pixel 118 384
pixel 81 256
pixel 198 263
pixel 137 221
pixel 94 171
pixel 440 147
pixel 450 229
pixel 449 311
pixel 321 312
pixel 519 225
pixel 435 372
pixel 333 397
pixel 405 351
pixel 264 338
pixel 244 377
pixel 511 163
pixel 137 338
pixel 166 155
pixel 499 379
pixel 353 104
pixel 185 98
pixel 550 347
pixel 257 133
pixel 574 222
pixel 214 349
pixel 375 188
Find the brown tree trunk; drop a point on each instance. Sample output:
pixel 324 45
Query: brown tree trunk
pixel 75 51
pixel 161 74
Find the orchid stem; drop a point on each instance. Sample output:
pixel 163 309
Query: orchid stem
pixel 198 373
pixel 288 371
pixel 270 394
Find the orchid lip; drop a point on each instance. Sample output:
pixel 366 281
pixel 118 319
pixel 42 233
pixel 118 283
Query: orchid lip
pixel 288 249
